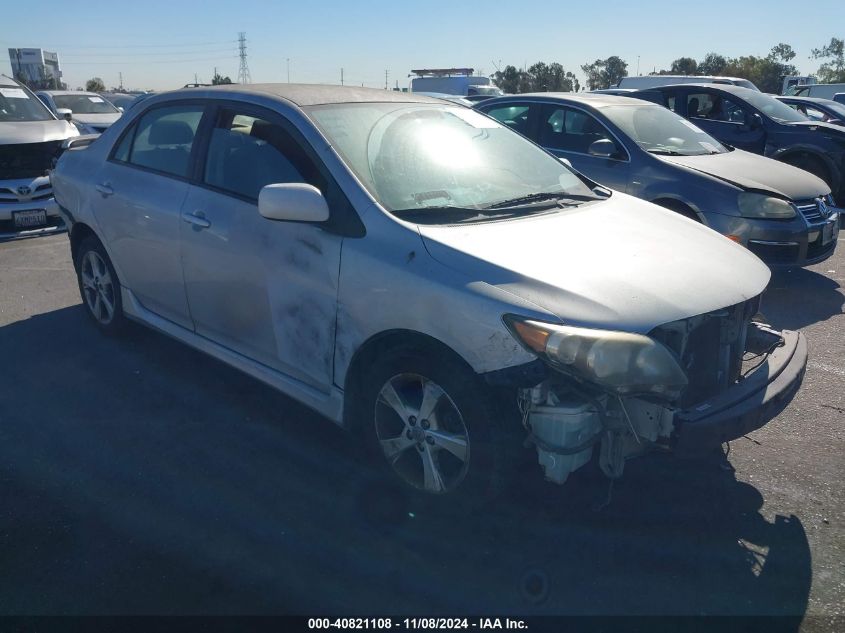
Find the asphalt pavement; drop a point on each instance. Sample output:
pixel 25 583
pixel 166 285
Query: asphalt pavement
pixel 140 477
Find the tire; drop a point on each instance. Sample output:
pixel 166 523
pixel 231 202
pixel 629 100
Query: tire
pixel 448 450
pixel 99 286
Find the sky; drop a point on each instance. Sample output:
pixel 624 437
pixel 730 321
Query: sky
pixel 165 44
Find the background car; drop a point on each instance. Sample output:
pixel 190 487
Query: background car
pixel 822 91
pixel 483 284
pixel 816 109
pixel 119 100
pixel 90 112
pixel 641 82
pixel 782 214
pixel 31 140
pixel 761 124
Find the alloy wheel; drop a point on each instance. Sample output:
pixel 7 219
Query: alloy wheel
pixel 98 287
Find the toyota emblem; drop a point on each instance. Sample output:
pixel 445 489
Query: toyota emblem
pixel 24 191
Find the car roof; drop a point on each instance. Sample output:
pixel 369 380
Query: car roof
pixel 596 100
pixel 737 90
pixel 310 94
pixel 819 100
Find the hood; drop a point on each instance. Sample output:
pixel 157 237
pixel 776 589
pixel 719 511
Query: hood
pixel 622 264
pixel 20 132
pixel 752 171
pixel 98 120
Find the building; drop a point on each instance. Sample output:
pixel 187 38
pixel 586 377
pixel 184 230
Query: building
pixel 37 67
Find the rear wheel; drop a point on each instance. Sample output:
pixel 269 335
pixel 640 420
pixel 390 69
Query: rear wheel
pixel 99 286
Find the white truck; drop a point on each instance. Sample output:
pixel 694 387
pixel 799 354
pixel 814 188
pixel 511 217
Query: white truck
pixel 454 81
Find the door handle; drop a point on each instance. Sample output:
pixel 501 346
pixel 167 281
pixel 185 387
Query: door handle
pixel 197 219
pixel 105 189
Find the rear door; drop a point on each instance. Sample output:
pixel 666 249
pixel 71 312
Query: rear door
pixel 139 194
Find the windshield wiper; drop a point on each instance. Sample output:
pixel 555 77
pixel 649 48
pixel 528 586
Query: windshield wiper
pixel 665 152
pixel 422 213
pixel 559 197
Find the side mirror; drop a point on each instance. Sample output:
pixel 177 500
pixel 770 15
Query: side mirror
pixel 566 162
pixel 120 108
pixel 65 114
pixel 755 122
pixel 294 202
pixel 603 148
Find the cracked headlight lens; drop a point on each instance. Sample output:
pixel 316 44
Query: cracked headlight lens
pixel 621 362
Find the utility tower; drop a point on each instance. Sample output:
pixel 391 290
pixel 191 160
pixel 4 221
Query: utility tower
pixel 243 71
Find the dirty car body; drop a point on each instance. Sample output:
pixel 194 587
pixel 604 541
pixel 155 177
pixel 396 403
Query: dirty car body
pixel 408 263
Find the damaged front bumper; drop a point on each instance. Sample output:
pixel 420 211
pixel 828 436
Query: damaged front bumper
pixel 747 405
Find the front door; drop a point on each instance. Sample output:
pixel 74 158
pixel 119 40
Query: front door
pixel 570 132
pixel 729 120
pixel 265 289
pixel 140 191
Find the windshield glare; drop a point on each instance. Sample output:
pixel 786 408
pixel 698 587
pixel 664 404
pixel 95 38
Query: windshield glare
pixel 85 104
pixel 417 156
pixel 656 129
pixel 17 105
pixel 773 108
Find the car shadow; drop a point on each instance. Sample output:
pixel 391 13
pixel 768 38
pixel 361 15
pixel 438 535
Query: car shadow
pixel 798 298
pixel 142 477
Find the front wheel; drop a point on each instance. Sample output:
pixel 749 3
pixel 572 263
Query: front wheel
pixel 427 420
pixel 99 286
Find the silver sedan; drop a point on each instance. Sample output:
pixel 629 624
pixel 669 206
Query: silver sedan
pixel 425 277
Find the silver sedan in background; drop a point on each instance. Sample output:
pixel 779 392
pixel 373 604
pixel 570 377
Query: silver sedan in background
pixel 425 277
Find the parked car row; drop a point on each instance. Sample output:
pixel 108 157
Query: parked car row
pixel 436 283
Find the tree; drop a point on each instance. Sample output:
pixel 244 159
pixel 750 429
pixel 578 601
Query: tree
pixel 833 70
pixel 712 64
pixel 509 79
pixel 765 72
pixel 604 73
pixel 95 85
pixel 782 53
pixel 219 79
pixel 684 66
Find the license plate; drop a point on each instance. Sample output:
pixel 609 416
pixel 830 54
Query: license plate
pixel 33 217
pixel 830 231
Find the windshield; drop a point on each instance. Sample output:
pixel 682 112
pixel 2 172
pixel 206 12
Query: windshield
pixel 837 108
pixel 85 104
pixel 421 158
pixel 17 105
pixel 773 108
pixel 661 131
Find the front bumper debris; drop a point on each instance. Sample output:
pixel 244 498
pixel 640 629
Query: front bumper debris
pixel 746 406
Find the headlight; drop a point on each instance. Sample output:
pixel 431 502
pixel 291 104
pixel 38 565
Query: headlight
pixel 620 362
pixel 755 205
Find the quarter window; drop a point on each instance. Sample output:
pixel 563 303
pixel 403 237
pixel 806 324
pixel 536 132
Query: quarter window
pixel 246 153
pixel 163 139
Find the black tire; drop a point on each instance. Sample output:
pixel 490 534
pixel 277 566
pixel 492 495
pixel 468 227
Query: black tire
pixel 466 486
pixel 93 264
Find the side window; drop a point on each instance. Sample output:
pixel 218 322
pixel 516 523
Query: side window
pixel 699 105
pixel 163 139
pixel 514 116
pixel 815 115
pixel 246 153
pixel 121 153
pixel 571 130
